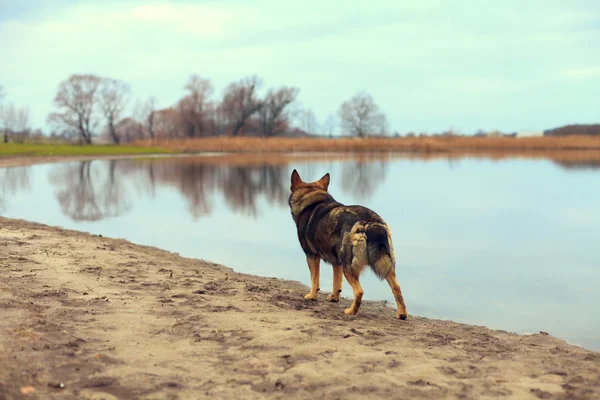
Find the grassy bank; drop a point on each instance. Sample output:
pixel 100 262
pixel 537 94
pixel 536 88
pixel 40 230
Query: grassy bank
pixel 414 145
pixel 29 149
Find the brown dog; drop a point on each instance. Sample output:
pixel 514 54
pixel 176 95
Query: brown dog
pixel 347 237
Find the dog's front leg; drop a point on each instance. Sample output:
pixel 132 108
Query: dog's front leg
pixel 314 266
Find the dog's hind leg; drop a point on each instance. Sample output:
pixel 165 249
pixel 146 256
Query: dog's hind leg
pixel 338 279
pixel 352 279
pixel 314 266
pixel 391 279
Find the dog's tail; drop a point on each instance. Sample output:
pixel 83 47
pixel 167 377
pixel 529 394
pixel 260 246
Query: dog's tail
pixel 380 251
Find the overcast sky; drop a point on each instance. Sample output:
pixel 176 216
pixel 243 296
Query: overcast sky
pixel 430 65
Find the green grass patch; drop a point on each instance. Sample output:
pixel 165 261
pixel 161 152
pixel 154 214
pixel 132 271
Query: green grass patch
pixel 29 149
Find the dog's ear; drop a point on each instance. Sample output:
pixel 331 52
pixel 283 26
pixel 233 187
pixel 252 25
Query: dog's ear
pixel 324 181
pixel 296 180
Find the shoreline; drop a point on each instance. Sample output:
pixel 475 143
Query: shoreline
pixel 27 160
pixel 109 318
pixel 585 157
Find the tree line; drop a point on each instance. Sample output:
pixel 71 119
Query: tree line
pixel 88 106
pixel 14 120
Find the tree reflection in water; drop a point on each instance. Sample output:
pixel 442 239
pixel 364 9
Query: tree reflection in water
pixel 361 178
pixel 579 165
pixel 242 186
pixel 12 180
pixel 94 190
pixel 90 194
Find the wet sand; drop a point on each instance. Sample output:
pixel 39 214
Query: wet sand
pixel 88 317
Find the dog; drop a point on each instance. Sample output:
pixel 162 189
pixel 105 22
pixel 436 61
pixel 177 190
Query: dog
pixel 350 238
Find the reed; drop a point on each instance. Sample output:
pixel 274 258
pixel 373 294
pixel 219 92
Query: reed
pixel 411 145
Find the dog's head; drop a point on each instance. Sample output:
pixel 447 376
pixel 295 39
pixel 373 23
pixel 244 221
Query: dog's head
pixel 298 183
pixel 304 193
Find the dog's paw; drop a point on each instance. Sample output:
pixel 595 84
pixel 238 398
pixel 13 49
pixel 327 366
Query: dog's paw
pixel 333 299
pixel 350 311
pixel 402 316
pixel 311 296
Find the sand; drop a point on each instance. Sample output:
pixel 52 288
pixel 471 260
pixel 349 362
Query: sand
pixel 88 317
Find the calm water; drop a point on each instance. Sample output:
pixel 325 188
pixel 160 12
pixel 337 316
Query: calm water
pixel 508 244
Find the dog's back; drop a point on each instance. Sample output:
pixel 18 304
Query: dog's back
pixel 353 236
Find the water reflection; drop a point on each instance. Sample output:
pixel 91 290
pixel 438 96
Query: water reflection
pixel 12 180
pixel 90 194
pixel 197 182
pixel 241 186
pixel 94 190
pixel 362 178
pixel 579 164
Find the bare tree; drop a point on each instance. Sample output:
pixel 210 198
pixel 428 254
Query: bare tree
pixel 218 120
pixel 143 113
pixel 329 125
pixel 15 121
pixel 9 118
pixel 273 115
pixel 193 106
pixel 241 102
pixel 187 115
pixel 360 116
pixel 76 100
pixel 167 123
pixel 307 121
pixel 150 108
pixel 21 129
pixel 6 120
pixel 114 96
pixel 22 123
pixel 381 126
pixel 129 130
pixel 2 96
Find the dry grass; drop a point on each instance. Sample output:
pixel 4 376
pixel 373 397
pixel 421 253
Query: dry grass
pixel 259 159
pixel 469 145
pixel 278 151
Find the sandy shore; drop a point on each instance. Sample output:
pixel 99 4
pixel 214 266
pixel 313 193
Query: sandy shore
pixel 108 319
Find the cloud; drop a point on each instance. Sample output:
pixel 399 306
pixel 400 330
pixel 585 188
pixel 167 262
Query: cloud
pixel 429 64
pixel 588 72
pixel 582 217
